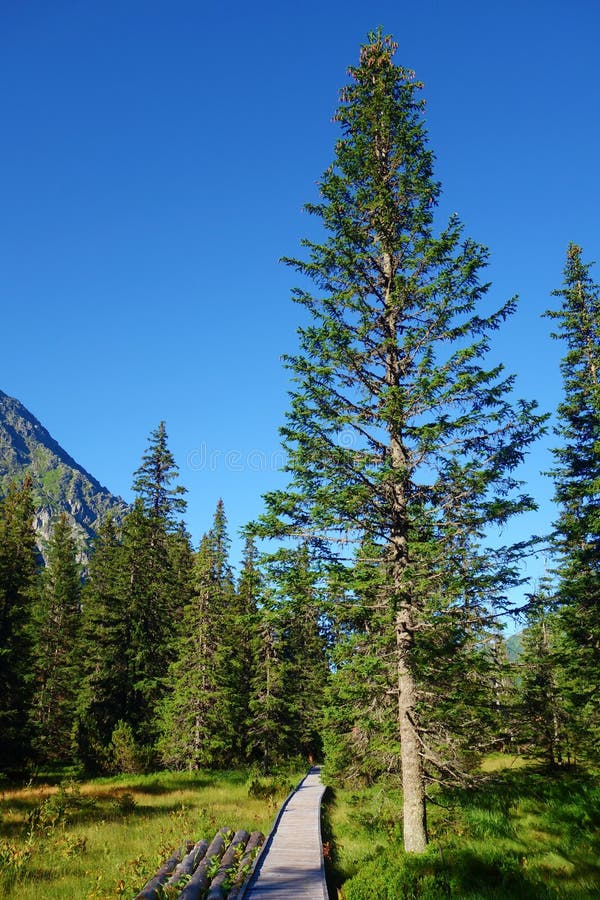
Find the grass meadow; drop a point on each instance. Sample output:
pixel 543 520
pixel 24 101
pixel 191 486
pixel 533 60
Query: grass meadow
pixel 521 833
pixel 104 838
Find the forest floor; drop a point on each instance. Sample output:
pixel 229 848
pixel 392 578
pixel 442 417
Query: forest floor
pixel 102 839
pixel 523 832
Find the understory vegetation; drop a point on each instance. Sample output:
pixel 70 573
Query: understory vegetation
pixel 523 832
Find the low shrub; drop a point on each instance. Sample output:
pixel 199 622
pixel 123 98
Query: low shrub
pixel 58 808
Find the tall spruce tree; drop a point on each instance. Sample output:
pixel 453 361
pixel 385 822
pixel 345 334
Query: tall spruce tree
pixel 249 595
pixel 269 736
pixel 18 582
pixel 543 724
pixel 199 712
pixel 56 622
pixel 577 487
pixel 106 694
pixel 139 581
pixel 163 500
pixel 397 433
pixel 304 652
pixel 154 562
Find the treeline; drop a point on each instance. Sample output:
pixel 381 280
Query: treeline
pixel 159 656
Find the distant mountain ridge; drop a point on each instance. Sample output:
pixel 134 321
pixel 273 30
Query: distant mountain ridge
pixel 60 483
pixel 514 646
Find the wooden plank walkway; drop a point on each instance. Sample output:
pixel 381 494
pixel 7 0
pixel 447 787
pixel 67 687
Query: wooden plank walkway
pixel 291 865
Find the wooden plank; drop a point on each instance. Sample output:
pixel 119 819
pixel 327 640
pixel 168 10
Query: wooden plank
pixel 291 867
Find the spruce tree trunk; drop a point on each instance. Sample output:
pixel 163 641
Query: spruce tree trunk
pixel 413 778
pixel 413 781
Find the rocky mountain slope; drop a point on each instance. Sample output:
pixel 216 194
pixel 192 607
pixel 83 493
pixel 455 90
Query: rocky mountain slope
pixel 60 483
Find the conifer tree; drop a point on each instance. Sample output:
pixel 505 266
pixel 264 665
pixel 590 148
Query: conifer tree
pixel 105 697
pixel 198 719
pixel 150 605
pixel 154 557
pixel 577 486
pixel 304 650
pixel 153 480
pixel 249 595
pixel 229 659
pixel 139 582
pixel 269 736
pixel 56 667
pixel 397 432
pixel 543 717
pixel 18 582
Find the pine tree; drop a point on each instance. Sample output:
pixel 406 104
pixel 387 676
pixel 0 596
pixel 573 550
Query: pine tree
pixel 198 718
pixel 577 485
pixel 139 582
pixel 150 604
pixel 18 582
pixel 154 557
pixel 56 621
pixel 397 434
pixel 105 697
pixel 152 481
pixel 269 734
pixel 230 656
pixel 249 594
pixel 543 716
pixel 304 651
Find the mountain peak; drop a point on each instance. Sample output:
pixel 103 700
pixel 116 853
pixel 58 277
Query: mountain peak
pixel 60 483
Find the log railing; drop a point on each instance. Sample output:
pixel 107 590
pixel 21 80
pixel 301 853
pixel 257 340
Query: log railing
pixel 206 871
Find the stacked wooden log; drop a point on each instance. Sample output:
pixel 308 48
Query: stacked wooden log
pixel 215 870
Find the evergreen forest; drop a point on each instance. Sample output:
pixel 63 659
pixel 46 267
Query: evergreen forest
pixel 365 626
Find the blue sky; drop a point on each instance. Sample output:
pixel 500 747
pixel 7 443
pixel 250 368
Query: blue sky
pixel 154 160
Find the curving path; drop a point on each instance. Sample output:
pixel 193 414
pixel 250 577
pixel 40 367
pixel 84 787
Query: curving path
pixel 291 864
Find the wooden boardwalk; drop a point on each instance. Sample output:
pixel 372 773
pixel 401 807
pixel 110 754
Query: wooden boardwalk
pixel 291 864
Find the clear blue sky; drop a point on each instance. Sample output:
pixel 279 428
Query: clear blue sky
pixel 154 160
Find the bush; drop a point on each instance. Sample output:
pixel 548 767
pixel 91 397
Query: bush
pixel 124 803
pixel 493 874
pixel 58 808
pixel 389 878
pixel 268 787
pixel 127 756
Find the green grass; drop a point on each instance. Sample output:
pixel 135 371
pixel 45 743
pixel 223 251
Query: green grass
pixel 522 833
pixel 104 838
